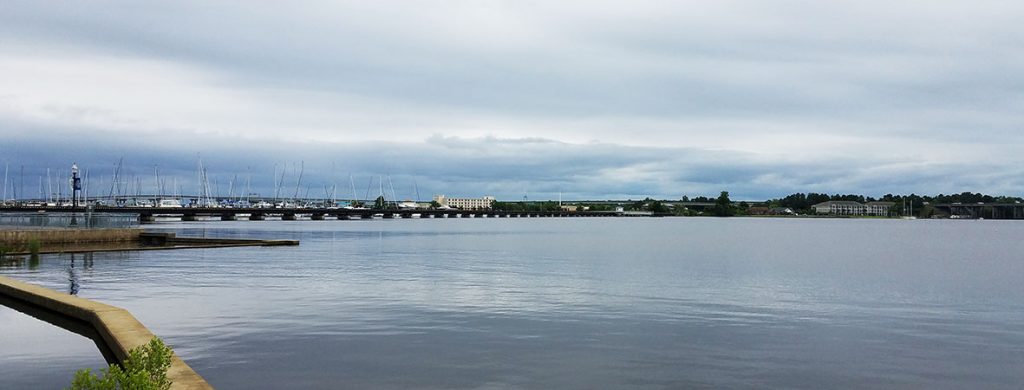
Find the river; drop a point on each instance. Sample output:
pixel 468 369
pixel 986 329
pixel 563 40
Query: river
pixel 572 303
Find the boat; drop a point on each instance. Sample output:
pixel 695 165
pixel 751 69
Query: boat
pixel 169 203
pixel 910 214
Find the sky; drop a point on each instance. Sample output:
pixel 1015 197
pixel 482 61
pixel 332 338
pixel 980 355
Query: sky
pixel 587 99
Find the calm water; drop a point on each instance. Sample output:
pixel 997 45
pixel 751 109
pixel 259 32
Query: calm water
pixel 560 303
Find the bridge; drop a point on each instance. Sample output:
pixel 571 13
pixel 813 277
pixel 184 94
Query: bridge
pixel 149 214
pixel 980 210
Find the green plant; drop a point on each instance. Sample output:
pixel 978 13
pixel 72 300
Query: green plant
pixel 144 369
pixel 34 245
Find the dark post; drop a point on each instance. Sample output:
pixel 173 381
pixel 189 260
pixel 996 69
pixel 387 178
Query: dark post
pixel 76 185
pixel 76 188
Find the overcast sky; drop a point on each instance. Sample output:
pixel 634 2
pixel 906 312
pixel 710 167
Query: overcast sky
pixel 595 99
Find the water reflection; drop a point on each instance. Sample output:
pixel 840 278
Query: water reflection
pixel 62 321
pixel 74 279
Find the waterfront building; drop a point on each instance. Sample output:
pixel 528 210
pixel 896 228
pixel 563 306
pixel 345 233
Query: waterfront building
pixel 483 203
pixel 843 207
pixel 880 209
pixel 781 211
pixel 839 207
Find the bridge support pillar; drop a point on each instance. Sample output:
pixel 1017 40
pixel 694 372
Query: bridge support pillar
pixel 288 217
pixel 143 218
pixel 256 217
pixel 188 217
pixel 317 217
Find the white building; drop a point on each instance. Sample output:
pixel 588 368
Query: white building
pixel 839 207
pixel 465 203
pixel 843 207
pixel 880 209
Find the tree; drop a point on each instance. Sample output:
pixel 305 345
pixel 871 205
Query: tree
pixel 434 205
pixel 723 206
pixel 656 207
pixel 379 204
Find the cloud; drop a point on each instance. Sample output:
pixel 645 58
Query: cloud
pixel 597 98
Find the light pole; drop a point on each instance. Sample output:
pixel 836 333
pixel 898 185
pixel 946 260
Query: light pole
pixel 76 188
pixel 76 185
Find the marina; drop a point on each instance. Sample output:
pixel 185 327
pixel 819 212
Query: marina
pixel 150 214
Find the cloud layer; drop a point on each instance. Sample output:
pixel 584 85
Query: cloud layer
pixel 596 99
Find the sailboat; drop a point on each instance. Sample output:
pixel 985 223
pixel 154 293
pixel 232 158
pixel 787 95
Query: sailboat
pixel 353 205
pixel 909 213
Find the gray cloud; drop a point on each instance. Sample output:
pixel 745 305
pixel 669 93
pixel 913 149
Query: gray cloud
pixel 596 99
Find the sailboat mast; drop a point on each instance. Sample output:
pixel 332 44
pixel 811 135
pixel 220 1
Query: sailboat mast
pixel 248 178
pixel 394 196
pixel 352 183
pixel 5 182
pixel 302 168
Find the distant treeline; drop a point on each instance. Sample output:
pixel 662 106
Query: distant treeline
pixel 803 202
pixel 799 203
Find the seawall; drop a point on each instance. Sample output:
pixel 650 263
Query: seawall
pixel 118 328
pixel 18 238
